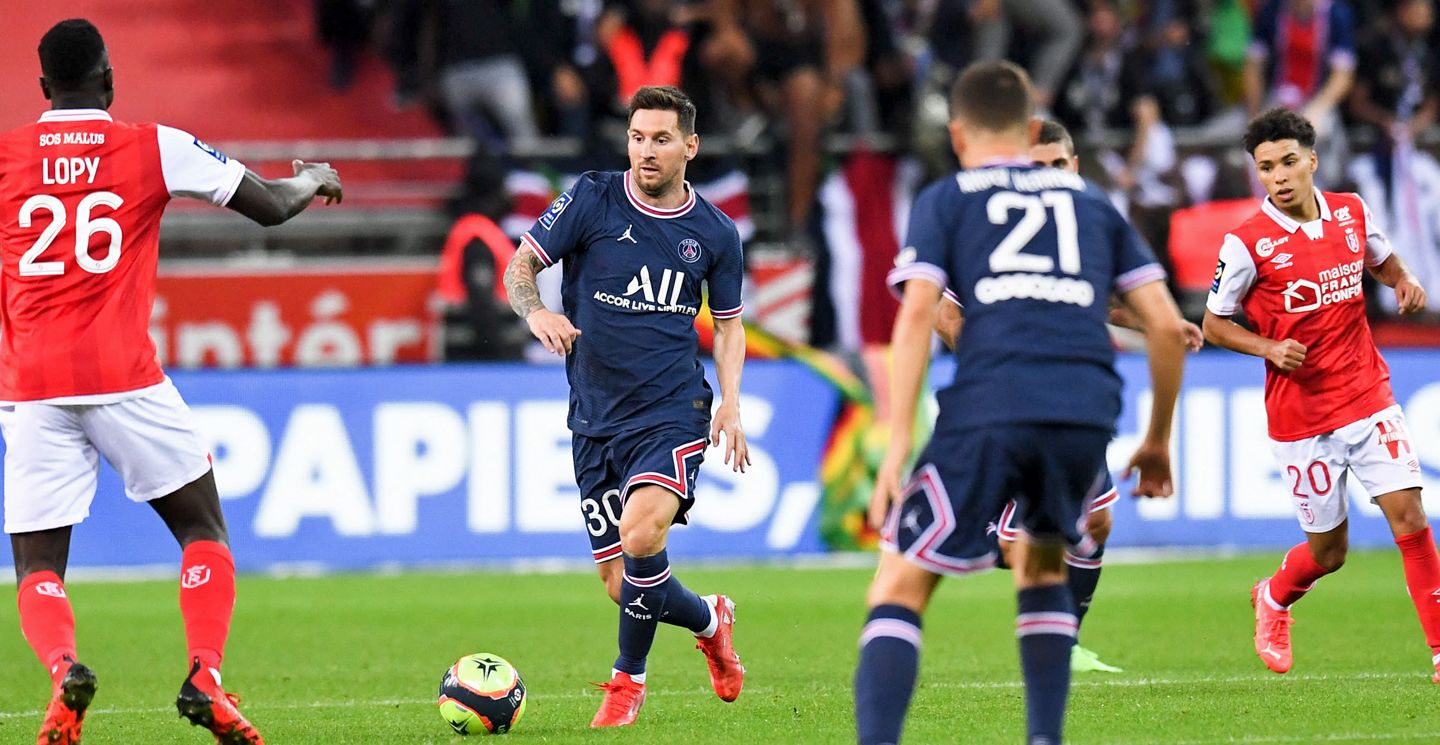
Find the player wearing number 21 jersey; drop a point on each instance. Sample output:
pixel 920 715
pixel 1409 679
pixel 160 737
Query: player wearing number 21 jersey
pixel 1295 269
pixel 1033 255
pixel 81 196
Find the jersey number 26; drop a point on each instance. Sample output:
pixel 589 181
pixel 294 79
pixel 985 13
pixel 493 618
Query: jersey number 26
pixel 85 227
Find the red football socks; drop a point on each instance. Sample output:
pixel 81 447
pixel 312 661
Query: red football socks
pixel 47 621
pixel 1295 577
pixel 207 599
pixel 1422 576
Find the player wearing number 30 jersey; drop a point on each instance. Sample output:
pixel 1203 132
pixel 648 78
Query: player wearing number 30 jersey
pixel 81 197
pixel 1295 269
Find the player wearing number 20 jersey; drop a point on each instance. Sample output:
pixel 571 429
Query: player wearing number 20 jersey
pixel 81 197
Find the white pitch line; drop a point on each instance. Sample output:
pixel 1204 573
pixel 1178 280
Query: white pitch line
pixel 1146 682
pixel 1339 737
pixel 346 704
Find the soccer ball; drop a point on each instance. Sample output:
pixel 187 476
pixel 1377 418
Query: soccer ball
pixel 482 693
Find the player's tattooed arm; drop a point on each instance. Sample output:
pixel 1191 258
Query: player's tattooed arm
pixel 552 329
pixel 520 282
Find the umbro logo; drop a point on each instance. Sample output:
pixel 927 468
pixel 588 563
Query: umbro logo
pixel 625 236
pixel 1282 260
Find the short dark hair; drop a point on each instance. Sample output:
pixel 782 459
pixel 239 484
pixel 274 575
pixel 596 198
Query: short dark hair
pixel 993 95
pixel 1054 133
pixel 1278 124
pixel 665 98
pixel 70 51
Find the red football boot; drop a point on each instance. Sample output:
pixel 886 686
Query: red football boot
pixel 207 705
pixel 66 713
pixel 1272 631
pixel 623 699
pixel 727 675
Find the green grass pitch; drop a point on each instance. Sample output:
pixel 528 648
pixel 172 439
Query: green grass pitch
pixel 357 659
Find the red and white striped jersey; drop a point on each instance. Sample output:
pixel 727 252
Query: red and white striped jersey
pixel 81 197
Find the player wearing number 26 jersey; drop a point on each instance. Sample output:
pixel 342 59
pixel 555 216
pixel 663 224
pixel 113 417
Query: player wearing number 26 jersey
pixel 1295 268
pixel 81 196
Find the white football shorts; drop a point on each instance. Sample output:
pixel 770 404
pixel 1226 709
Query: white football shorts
pixel 52 454
pixel 1377 450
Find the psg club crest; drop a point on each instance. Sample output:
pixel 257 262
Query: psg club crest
pixel 689 250
pixel 1353 241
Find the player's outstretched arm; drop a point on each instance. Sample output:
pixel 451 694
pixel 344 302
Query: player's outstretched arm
pixel 1165 344
pixel 1287 354
pixel 552 329
pixel 271 202
pixel 1409 295
pixel 909 355
pixel 729 360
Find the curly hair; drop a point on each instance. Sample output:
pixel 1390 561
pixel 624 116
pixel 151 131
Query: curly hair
pixel 1278 124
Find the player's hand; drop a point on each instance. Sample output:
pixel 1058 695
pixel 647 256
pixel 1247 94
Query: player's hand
pixel 1286 355
pixel 727 420
pixel 1410 296
pixel 1152 460
pixel 553 330
pixel 328 177
pixel 887 487
pixel 1194 337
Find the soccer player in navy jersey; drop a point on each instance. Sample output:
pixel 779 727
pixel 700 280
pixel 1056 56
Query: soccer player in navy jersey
pixel 1054 148
pixel 1033 254
pixel 636 246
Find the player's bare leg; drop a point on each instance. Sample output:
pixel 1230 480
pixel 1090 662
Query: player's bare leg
pixel 1319 555
pixel 890 647
pixel 48 624
pixel 1411 528
pixel 207 601
pixel 1046 626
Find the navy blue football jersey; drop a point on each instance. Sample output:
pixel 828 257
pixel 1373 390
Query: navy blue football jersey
pixel 632 286
pixel 1032 255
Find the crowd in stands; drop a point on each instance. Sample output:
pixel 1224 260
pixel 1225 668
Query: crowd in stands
pixel 1156 92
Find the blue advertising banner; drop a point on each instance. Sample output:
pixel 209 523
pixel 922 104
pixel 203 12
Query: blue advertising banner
pixel 1229 491
pixel 408 466
pixel 364 468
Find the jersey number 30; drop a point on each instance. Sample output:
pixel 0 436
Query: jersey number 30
pixel 85 227
pixel 1007 256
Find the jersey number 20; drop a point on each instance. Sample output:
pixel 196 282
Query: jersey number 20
pixel 85 226
pixel 1007 256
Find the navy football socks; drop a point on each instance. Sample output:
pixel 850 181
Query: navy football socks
pixel 648 595
pixel 885 677
pixel 1045 626
pixel 1083 577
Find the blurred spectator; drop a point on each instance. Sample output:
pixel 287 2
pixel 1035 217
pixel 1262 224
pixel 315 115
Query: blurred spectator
pixel 1303 58
pixel 474 49
pixel 1228 43
pixel 1055 25
pixel 344 27
pixel 1171 69
pixel 802 52
pixel 565 64
pixel 1396 97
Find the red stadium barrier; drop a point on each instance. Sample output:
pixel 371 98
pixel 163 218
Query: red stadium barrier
pixel 303 317
pixel 1195 237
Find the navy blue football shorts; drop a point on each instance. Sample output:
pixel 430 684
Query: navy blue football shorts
pixel 608 468
pixel 963 480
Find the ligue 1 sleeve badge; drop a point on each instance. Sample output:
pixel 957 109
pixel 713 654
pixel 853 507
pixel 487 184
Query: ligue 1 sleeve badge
pixel 689 250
